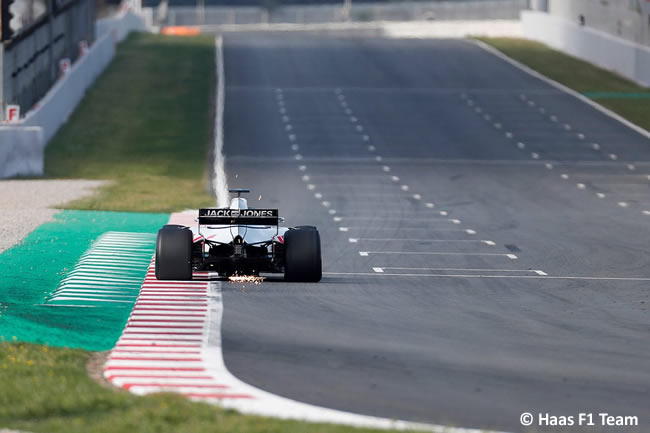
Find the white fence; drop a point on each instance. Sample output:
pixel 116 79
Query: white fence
pixel 616 54
pixel 22 146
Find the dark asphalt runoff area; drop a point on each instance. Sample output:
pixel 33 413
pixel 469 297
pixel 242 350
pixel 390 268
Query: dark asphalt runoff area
pixel 485 236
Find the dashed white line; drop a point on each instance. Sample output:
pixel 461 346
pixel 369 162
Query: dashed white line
pixel 521 145
pixel 534 155
pixel 623 204
pixel 581 186
pixel 430 205
pixel 564 176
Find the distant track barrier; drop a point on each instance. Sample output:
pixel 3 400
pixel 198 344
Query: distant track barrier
pixel 22 145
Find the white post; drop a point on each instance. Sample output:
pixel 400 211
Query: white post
pixel 345 13
pixel 2 81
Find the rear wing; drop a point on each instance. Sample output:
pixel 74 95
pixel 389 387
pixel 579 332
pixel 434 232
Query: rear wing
pixel 242 217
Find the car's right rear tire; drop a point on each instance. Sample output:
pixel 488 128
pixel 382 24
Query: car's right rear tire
pixel 174 253
pixel 302 256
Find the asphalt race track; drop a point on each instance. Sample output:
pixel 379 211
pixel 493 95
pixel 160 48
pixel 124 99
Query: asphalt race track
pixel 451 191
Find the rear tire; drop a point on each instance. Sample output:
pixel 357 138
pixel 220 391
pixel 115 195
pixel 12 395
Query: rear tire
pixel 174 253
pixel 302 257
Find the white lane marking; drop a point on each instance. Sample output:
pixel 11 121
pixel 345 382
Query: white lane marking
pixel 298 157
pixel 509 135
pixel 595 146
pixel 343 229
pixel 371 148
pixel 531 103
pixel 631 167
pixel 521 145
pixel 623 204
pixel 378 270
pixel 326 204
pixel 562 87
pixel 478 109
pixel 332 211
pixel 470 232
pixel 404 187
pixel 581 186
pixel 455 221
pixel 527 271
pixel 311 186
pixel 436 253
pixel 378 158
pixel 548 166
pixel 295 147
pixel 306 178
pixel 386 168
pixel 419 240
pixel 318 195
pixel 337 219
pixel 365 137
pixel 564 176
pixel 534 155
pixel 288 127
pixel 359 128
pixel 285 119
pixel 553 119
pixel 487 117
pixel 567 126
pixel 613 157
pixel 536 277
pixel 292 137
pixel 444 213
pixel 497 125
pixel 353 119
pixel 581 136
pixel 600 195
pixel 302 167
pixel 417 196
pixel 646 212
pixel 431 206
pixel 394 178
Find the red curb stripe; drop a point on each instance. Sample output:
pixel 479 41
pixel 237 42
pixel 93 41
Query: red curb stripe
pixel 156 368
pixel 217 396
pixel 145 358
pixel 155 345
pixel 142 376
pixel 175 385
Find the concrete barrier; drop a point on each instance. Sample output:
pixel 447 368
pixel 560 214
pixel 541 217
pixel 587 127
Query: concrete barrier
pixel 21 151
pixel 619 55
pixel 22 146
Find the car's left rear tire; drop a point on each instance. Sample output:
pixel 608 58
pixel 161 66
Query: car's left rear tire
pixel 174 253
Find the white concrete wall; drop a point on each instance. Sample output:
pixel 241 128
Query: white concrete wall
pixel 21 151
pixel 452 29
pixel 627 58
pixel 22 146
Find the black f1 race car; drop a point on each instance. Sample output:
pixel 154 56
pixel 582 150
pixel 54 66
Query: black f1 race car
pixel 238 241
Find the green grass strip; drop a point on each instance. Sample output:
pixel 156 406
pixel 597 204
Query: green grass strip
pixel 47 390
pixel 146 125
pixel 617 95
pixel 581 76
